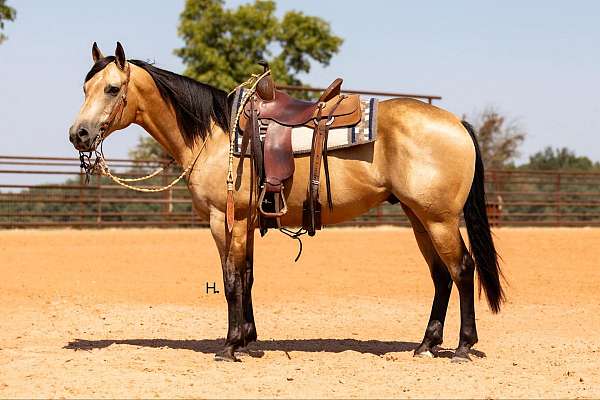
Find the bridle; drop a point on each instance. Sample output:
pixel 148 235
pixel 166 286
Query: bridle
pixel 98 165
pixel 85 157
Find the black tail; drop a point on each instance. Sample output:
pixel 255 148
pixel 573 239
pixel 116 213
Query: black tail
pixel 480 236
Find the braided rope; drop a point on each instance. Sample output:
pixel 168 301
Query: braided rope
pixel 143 178
pixel 254 79
pixel 122 181
pixel 102 166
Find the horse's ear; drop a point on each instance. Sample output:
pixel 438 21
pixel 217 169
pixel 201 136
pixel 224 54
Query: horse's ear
pixel 96 53
pixel 120 56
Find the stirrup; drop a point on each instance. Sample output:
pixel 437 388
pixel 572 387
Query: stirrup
pixel 261 199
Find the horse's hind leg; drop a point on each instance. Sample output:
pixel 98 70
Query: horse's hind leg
pixel 446 238
pixel 442 282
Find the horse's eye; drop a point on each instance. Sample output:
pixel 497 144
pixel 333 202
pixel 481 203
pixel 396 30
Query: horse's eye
pixel 112 89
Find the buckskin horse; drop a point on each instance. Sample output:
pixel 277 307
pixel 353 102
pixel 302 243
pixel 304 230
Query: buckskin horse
pixel 424 157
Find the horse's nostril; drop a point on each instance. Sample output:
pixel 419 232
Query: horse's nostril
pixel 83 133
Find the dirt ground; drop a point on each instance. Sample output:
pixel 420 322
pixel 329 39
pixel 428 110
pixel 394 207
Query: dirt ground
pixel 125 313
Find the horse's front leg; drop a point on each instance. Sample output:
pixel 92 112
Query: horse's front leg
pixel 237 262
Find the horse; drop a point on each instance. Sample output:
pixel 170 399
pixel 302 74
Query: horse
pixel 424 157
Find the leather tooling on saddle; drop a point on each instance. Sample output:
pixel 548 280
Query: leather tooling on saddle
pixel 274 126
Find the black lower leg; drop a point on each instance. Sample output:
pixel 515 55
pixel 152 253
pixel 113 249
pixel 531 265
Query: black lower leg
pixel 468 329
pixel 233 293
pixel 249 328
pixel 434 333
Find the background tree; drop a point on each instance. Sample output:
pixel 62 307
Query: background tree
pixel 577 192
pixel 499 139
pixel 147 149
pixel 6 14
pixel 222 46
pixel 560 159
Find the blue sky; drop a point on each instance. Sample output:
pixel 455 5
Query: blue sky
pixel 536 61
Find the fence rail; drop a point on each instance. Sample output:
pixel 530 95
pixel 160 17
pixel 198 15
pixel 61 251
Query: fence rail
pixel 428 97
pixel 51 192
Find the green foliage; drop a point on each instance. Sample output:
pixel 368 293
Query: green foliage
pixel 147 149
pixel 548 196
pixel 499 139
pixel 560 159
pixel 7 13
pixel 223 46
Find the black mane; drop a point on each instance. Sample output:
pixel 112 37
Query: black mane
pixel 196 104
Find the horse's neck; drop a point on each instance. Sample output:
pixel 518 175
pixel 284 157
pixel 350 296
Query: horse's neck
pixel 160 121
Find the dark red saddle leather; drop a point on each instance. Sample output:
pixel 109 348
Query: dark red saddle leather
pixel 280 112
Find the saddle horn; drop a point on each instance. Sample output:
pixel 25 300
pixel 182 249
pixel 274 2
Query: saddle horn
pixel 266 87
pixel 265 65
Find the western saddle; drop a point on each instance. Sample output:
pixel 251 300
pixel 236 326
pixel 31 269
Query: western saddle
pixel 271 113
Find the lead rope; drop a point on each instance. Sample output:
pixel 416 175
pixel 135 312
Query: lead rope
pixel 100 167
pixel 230 210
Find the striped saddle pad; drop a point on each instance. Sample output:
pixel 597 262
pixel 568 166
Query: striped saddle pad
pixel 339 138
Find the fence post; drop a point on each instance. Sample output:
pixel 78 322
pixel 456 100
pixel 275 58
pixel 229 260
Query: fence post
pixel 193 222
pixel 168 194
pixel 167 207
pixel 81 202
pixel 557 198
pixel 495 206
pixel 98 199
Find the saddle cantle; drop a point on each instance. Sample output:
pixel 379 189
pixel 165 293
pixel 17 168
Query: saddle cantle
pixel 274 113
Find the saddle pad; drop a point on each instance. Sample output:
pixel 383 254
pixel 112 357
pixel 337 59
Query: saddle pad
pixel 364 132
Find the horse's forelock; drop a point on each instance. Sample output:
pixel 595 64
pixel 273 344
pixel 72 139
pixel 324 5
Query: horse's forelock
pixel 99 66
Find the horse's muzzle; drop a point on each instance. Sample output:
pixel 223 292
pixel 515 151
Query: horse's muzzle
pixel 82 138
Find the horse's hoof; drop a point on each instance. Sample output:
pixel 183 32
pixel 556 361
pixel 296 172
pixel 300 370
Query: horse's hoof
pixel 424 354
pixel 460 359
pixel 227 356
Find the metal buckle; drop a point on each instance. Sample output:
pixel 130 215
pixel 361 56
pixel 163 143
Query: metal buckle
pixel 328 123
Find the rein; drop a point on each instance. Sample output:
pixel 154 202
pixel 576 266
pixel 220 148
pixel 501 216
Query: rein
pixel 250 89
pixel 250 86
pixel 99 165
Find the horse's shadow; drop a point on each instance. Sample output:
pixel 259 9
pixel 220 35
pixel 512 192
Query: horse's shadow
pixel 212 346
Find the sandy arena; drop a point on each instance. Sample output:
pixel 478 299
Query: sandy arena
pixel 124 313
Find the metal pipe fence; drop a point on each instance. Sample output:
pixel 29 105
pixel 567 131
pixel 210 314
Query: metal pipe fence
pixel 51 192
pixel 306 89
